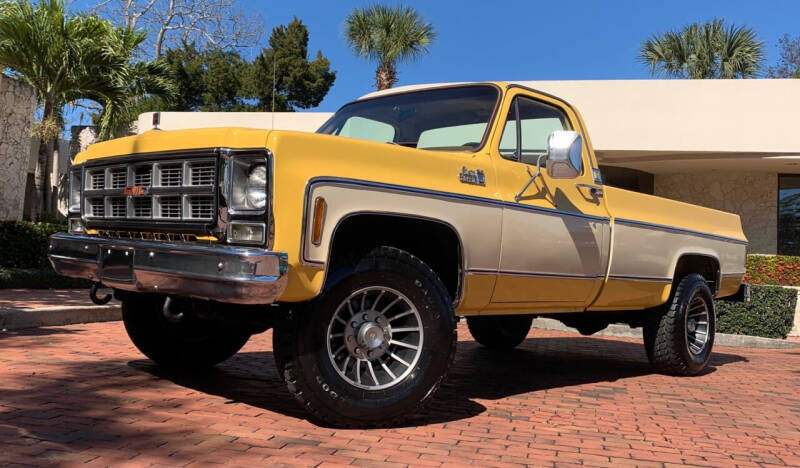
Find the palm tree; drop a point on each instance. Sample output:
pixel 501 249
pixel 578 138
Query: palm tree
pixel 388 36
pixel 135 83
pixel 707 50
pixel 65 57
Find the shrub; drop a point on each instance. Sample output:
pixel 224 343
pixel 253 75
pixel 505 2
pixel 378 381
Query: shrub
pixel 770 313
pixel 11 278
pixel 25 245
pixel 773 269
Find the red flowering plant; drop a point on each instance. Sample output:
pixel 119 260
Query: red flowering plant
pixel 783 270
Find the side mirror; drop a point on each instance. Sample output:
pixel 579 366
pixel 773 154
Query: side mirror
pixel 564 154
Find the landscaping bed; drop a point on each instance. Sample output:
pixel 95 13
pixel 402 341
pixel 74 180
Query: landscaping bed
pixel 769 314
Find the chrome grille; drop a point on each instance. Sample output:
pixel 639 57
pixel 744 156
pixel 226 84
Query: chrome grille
pixel 117 207
pixel 202 173
pixel 170 175
pixel 142 207
pixel 96 207
pixel 169 207
pixel 174 190
pixel 142 175
pixel 201 206
pixel 119 177
pixel 97 180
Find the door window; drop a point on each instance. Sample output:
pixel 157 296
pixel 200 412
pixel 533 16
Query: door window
pixel 528 124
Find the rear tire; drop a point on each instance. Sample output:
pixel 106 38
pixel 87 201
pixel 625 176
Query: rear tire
pixel 186 342
pixel 339 354
pixel 679 337
pixel 499 331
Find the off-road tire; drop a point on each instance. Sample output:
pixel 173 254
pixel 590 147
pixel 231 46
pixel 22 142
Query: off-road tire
pixel 301 350
pixel 499 331
pixel 665 330
pixel 192 343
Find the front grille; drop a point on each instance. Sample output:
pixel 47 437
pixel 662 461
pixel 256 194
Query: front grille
pixel 151 192
pixel 201 206
pixel 169 207
pixel 117 207
pixel 142 175
pixel 142 207
pixel 119 177
pixel 201 173
pixel 96 207
pixel 170 175
pixel 97 180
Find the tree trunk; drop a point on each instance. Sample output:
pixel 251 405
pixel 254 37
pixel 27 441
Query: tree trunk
pixel 385 76
pixel 43 166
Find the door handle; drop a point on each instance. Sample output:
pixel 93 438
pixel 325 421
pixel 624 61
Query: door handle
pixel 594 190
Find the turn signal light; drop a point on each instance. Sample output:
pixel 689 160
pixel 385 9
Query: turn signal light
pixel 319 220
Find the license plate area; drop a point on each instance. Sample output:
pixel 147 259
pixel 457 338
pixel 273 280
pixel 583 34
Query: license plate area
pixel 116 264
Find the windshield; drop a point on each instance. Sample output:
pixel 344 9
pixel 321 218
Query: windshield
pixel 446 119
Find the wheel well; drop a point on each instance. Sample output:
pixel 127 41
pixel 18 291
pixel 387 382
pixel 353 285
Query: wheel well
pixel 704 265
pixel 432 241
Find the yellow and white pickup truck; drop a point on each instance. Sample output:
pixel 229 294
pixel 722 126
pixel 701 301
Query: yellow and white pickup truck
pixel 364 243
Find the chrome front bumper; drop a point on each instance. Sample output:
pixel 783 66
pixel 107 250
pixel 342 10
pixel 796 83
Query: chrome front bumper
pixel 215 272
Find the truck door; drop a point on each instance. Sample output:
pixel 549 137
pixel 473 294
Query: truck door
pixel 554 247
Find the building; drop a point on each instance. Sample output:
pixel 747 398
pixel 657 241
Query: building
pixel 732 145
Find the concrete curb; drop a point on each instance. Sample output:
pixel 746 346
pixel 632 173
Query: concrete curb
pixel 15 319
pixel 720 339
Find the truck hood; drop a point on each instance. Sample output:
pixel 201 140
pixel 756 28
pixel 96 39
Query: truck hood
pixel 159 141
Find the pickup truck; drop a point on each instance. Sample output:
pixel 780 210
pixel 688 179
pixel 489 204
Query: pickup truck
pixel 363 244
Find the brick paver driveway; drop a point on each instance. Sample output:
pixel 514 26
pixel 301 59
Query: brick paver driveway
pixel 83 394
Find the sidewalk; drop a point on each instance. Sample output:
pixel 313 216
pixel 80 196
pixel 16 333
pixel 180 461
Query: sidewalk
pixel 26 308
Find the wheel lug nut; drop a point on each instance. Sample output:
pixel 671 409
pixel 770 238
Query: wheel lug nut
pixel 365 317
pixel 357 350
pixel 353 324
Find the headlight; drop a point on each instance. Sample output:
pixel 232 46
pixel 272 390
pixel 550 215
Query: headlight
pixel 75 183
pixel 246 181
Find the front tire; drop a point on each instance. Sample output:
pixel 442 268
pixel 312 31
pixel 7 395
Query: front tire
pixel 499 331
pixel 182 340
pixel 373 349
pixel 679 337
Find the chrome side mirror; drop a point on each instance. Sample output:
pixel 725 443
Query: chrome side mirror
pixel 564 154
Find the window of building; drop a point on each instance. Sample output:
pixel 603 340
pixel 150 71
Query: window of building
pixel 789 214
pixel 537 122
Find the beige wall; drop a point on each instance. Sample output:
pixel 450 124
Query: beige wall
pixel 17 104
pixel 751 195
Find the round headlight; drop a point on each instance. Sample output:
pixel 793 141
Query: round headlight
pixel 256 191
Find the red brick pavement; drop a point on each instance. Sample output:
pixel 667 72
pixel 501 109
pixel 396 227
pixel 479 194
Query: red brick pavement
pixel 82 395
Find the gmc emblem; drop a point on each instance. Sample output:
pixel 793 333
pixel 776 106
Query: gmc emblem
pixel 136 190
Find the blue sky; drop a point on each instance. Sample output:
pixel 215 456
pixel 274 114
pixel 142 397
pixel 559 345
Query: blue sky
pixel 522 40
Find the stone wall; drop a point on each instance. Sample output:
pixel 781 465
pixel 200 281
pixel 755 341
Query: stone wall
pixel 751 195
pixel 17 105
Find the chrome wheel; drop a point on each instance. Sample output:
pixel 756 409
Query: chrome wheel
pixel 375 338
pixel 697 325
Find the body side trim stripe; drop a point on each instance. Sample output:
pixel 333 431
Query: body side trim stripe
pixel 436 193
pixel 734 275
pixel 533 274
pixel 664 227
pixel 649 279
pixel 550 211
pixel 569 276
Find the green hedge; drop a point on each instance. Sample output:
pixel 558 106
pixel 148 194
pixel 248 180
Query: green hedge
pixel 773 269
pixel 45 278
pixel 770 313
pixel 24 245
